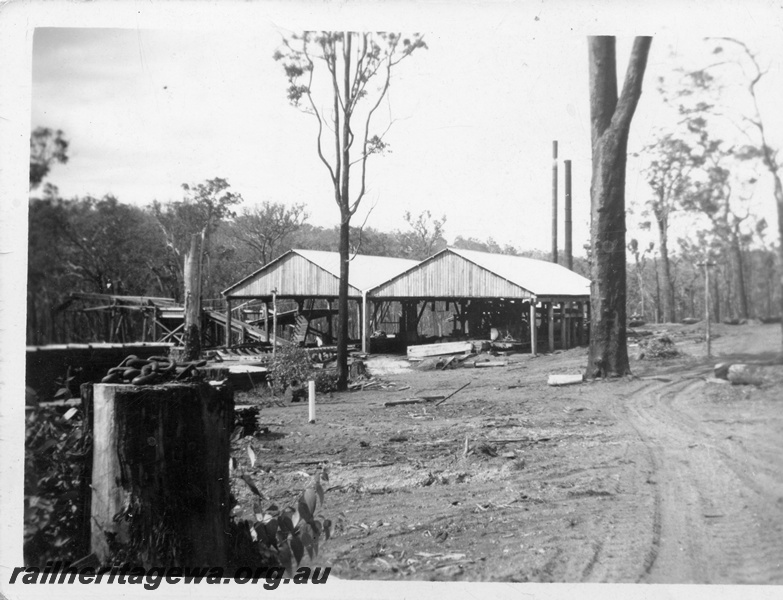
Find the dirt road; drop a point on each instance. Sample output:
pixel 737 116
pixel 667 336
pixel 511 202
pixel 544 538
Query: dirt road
pixel 669 477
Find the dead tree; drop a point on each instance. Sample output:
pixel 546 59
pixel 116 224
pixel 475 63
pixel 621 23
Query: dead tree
pixel 192 337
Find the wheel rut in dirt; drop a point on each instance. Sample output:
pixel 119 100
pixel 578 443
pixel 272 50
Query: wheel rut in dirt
pixel 717 503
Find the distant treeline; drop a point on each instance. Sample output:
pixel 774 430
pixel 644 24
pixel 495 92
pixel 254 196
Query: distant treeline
pixel 102 245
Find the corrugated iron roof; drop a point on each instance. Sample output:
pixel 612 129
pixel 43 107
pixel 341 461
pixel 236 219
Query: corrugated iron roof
pixel 540 277
pixel 365 271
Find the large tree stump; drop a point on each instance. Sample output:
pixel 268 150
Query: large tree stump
pixel 160 473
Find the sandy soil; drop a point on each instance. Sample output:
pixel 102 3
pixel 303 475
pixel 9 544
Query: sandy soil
pixel 670 477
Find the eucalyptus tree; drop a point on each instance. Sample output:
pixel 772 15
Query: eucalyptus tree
pixel 47 147
pixel 341 79
pixel 610 117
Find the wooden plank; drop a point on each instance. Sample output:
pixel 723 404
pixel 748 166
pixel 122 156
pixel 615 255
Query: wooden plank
pixel 439 349
pixel 565 379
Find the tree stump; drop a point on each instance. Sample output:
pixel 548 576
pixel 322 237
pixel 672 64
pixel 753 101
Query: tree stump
pixel 160 473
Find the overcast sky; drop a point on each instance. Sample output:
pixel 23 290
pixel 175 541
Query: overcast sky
pixel 474 116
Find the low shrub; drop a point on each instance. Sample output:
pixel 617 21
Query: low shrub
pixel 56 490
pixel 325 380
pixel 657 347
pixel 292 366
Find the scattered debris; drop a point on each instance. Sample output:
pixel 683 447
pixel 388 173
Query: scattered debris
pixel 452 393
pixel 402 402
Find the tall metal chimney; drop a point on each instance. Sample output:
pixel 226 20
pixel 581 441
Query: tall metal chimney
pixel 568 247
pixel 554 201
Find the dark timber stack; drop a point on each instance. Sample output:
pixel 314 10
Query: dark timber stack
pixel 160 472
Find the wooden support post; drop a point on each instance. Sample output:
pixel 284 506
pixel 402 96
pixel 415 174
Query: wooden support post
pixel 366 329
pixel 363 322
pixel 228 322
pixel 579 323
pixel 550 310
pixel 266 320
pixel 160 454
pixel 563 326
pixel 155 325
pixel 533 328
pixel 274 322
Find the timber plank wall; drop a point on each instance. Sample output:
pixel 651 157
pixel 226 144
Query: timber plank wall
pixel 449 276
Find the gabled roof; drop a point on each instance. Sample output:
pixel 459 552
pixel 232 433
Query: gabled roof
pixel 365 271
pixel 456 273
pixel 316 273
pixel 540 277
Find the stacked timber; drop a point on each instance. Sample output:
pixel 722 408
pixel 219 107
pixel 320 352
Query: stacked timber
pixel 427 350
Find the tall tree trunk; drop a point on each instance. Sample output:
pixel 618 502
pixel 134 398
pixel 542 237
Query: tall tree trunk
pixel 779 201
pixel 666 277
pixel 610 118
pixel 742 295
pixel 715 297
pixel 343 190
pixel 657 291
pixel 640 281
pixel 192 336
pixel 342 307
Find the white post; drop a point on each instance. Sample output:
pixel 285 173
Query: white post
pixel 533 330
pixel 311 393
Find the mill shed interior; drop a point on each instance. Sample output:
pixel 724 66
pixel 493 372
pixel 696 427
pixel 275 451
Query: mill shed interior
pixel 458 294
pixel 295 296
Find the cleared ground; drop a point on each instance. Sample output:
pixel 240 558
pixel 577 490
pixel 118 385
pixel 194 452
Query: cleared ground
pixel 665 478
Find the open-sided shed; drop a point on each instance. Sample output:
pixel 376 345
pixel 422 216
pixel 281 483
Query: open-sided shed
pixel 489 291
pixel 314 276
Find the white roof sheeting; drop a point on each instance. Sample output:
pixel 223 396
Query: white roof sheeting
pixel 542 278
pixel 364 272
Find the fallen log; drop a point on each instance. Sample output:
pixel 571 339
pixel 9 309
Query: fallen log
pixel 744 374
pixel 405 401
pixel 417 400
